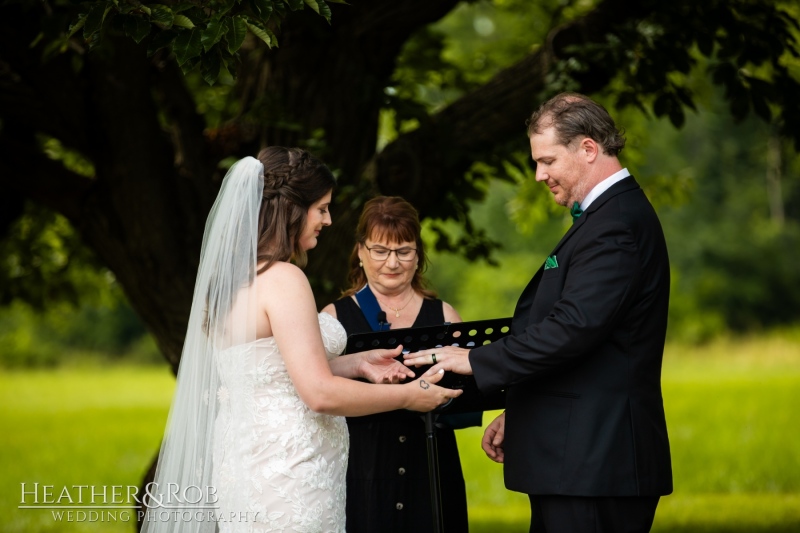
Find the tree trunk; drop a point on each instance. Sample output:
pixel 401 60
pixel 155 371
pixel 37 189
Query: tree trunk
pixel 156 163
pixel 144 212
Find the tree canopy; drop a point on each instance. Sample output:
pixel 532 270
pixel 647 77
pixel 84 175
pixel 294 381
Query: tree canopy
pixel 108 118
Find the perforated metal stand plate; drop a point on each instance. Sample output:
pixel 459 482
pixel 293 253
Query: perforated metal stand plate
pixel 463 334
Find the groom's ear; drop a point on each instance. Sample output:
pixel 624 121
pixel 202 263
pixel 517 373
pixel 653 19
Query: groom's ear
pixel 589 149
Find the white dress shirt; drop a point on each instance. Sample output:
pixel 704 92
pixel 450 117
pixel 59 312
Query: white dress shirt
pixel 603 186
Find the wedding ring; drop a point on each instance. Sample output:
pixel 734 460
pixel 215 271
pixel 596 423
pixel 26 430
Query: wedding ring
pixel 433 358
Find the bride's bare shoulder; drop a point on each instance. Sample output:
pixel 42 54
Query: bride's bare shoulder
pixel 282 275
pixel 282 268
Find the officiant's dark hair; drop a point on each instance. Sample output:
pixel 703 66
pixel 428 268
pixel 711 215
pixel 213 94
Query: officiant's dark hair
pixel 293 180
pixel 576 115
pixel 394 219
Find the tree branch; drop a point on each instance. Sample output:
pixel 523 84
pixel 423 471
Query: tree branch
pixel 391 19
pixel 33 175
pixel 186 124
pixel 427 163
pixel 48 100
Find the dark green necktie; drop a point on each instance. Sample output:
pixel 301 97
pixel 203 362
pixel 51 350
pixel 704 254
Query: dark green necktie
pixel 575 211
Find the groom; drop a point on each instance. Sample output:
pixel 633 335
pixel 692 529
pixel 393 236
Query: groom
pixel 583 433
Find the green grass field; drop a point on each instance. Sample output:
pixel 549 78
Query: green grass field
pixel 732 409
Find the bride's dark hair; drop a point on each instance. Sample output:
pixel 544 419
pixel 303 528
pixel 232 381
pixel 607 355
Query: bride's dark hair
pixel 293 180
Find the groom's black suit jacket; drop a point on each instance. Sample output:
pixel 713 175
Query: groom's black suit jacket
pixel 582 363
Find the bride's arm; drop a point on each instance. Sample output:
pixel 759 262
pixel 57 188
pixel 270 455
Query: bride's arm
pixel 289 304
pixel 346 366
pixel 377 366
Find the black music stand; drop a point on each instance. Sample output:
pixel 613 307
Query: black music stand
pixel 463 334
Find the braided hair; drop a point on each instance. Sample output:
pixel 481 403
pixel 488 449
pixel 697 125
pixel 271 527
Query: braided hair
pixel 293 180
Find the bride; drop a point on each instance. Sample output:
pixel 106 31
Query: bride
pixel 256 440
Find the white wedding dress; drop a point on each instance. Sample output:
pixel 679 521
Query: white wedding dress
pixel 278 466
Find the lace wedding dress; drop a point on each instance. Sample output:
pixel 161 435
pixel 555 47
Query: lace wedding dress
pixel 278 466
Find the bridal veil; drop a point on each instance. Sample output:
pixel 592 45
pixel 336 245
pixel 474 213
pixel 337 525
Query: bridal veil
pixel 223 314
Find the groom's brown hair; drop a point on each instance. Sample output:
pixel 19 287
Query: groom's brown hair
pixel 576 115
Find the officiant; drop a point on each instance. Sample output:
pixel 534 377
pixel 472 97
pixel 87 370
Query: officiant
pixel 388 487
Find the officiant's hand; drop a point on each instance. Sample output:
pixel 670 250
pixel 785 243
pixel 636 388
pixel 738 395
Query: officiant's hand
pixel 380 366
pixel 493 437
pixel 450 358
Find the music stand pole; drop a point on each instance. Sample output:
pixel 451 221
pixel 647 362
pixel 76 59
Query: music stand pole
pixel 433 472
pixel 475 333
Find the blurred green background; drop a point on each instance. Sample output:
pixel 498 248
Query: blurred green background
pixel 731 412
pixel 84 392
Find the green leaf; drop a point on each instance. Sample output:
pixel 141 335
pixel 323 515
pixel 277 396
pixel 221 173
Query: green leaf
pixel 294 5
pixel 161 39
pixel 190 64
pixel 338 2
pixel 662 104
pixel 94 20
pixel 724 73
pixel 197 16
pixel 739 106
pixel 183 21
pixel 325 10
pixel 230 64
pixel 136 27
pixel 182 7
pixel 685 96
pixel 705 43
pixel 77 26
pixel 313 5
pixel 59 46
pixel 263 8
pixel 273 37
pixel 320 7
pixel 209 66
pixel 161 15
pixel 760 106
pixel 187 45
pixel 237 30
pixel 36 40
pixel 226 7
pixel 677 117
pixel 212 34
pixel 259 31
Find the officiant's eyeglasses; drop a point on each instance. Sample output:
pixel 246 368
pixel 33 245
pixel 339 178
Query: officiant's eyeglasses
pixel 379 253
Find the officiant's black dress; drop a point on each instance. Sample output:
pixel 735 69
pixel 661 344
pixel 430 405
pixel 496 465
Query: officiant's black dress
pixel 387 473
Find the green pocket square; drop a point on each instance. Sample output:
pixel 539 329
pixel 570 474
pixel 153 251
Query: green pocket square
pixel 550 262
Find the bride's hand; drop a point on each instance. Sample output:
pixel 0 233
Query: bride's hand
pixel 426 396
pixel 380 366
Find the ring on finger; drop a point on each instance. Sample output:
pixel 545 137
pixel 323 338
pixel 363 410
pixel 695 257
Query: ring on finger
pixel 433 358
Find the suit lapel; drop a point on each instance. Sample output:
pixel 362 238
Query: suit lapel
pixel 522 310
pixel 525 302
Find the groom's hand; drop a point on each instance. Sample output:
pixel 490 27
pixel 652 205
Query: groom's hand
pixel 449 358
pixel 493 437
